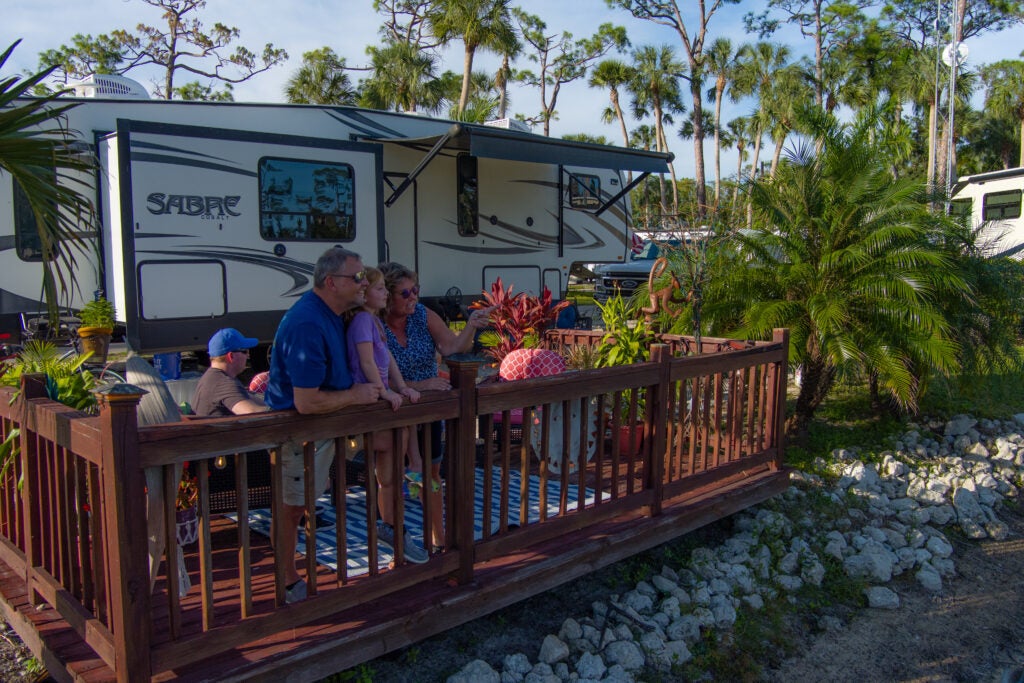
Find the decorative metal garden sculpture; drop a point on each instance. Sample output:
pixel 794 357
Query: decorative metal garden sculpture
pixel 664 299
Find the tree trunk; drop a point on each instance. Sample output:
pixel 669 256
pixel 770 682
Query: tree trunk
pixel 932 116
pixel 698 146
pixel 466 74
pixel 503 87
pixel 614 95
pixel 719 89
pixel 816 383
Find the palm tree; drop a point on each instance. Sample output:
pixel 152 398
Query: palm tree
pixel 842 254
pixel 320 80
pixel 47 166
pixel 404 78
pixel 739 129
pixel 479 24
pixel 719 60
pixel 788 89
pixel 1004 93
pixel 613 74
pixel 655 85
pixel 755 72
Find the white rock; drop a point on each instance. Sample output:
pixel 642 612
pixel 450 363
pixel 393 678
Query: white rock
pixel 590 665
pixel 942 514
pixel 617 674
pixel 755 601
pixel 939 546
pixel 517 663
pixel 881 597
pixel 626 653
pixel 997 530
pixel 725 613
pixel 929 578
pixel 670 608
pixel 676 652
pixel 646 589
pixel 477 671
pixel 874 562
pixel 552 650
pixel 542 673
pixel 652 641
pixel 813 572
pixel 960 424
pixel 686 628
pixel 640 602
pixel 789 583
pixel 664 584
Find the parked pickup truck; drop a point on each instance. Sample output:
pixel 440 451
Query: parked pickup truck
pixel 626 277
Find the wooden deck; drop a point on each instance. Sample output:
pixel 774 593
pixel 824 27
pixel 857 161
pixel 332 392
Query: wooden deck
pixel 74 581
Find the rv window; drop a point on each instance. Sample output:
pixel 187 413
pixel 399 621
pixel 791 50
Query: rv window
pixel 26 237
pixel 1001 205
pixel 961 209
pixel 306 200
pixel 469 196
pixel 584 191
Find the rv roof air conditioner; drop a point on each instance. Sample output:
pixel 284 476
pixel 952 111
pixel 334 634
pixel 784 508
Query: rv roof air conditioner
pixel 110 86
pixel 511 124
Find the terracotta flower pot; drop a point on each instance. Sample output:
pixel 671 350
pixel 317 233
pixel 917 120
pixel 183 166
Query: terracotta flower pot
pixel 96 340
pixel 631 439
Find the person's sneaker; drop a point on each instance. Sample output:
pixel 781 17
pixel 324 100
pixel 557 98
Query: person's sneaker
pixel 297 593
pixel 414 552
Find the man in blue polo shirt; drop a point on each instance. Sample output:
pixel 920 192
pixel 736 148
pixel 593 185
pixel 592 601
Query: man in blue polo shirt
pixel 309 372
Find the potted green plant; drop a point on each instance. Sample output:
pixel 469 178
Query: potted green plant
pixel 65 380
pixel 97 327
pixel 627 340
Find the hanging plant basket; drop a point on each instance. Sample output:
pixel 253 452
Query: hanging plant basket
pixel 188 526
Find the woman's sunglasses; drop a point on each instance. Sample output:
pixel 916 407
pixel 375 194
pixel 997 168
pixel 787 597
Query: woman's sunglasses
pixel 406 293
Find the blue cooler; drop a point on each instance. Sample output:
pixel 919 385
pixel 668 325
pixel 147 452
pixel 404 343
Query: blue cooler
pixel 168 365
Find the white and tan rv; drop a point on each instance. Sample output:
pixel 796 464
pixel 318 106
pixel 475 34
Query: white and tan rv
pixel 212 214
pixel 993 200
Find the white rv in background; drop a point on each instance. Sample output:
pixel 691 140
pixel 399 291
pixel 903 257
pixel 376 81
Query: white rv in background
pixel 994 199
pixel 212 214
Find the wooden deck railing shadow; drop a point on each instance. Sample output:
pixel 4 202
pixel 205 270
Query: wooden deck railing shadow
pixel 76 529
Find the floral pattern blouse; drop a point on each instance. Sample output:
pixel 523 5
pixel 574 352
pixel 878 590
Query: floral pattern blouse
pixel 417 360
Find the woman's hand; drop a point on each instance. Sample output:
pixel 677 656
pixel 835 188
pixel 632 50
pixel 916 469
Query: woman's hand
pixel 434 384
pixel 481 318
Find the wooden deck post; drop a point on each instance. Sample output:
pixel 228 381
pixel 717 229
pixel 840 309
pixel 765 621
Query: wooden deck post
pixel 32 386
pixel 657 424
pixel 124 516
pixel 781 336
pixel 462 460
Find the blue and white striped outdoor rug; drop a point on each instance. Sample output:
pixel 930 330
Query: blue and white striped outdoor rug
pixel 355 517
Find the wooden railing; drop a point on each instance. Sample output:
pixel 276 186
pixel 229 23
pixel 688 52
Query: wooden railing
pixel 76 525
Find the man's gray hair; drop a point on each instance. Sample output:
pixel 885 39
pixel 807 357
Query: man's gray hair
pixel 330 263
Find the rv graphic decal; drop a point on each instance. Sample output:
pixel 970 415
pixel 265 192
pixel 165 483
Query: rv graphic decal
pixel 193 205
pixel 300 273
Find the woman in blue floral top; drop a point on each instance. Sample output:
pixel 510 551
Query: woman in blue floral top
pixel 415 334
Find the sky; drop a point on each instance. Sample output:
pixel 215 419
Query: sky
pixel 348 26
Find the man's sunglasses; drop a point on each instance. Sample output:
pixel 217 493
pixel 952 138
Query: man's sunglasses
pixel 358 278
pixel 406 293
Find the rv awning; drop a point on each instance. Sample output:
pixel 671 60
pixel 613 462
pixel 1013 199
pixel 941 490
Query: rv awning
pixel 499 143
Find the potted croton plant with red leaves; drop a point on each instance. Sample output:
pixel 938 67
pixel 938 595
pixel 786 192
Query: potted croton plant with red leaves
pixel 518 320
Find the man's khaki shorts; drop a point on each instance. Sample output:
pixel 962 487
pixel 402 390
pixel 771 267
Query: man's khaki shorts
pixel 294 475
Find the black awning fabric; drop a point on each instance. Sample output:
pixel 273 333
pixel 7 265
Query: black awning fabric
pixel 499 143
